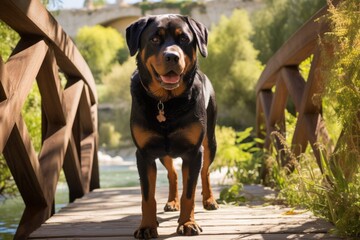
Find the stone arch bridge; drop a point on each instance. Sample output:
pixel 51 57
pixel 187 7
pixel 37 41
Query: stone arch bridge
pixel 120 15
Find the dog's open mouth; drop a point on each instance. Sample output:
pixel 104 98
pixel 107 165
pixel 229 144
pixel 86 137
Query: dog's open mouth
pixel 170 81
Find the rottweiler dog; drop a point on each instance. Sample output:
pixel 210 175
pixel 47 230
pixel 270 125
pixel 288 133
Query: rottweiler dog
pixel 173 114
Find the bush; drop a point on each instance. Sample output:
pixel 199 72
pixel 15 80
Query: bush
pixel 233 69
pixel 108 137
pixel 100 46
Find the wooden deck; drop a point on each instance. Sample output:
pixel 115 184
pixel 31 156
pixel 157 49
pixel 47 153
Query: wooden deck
pixel 115 213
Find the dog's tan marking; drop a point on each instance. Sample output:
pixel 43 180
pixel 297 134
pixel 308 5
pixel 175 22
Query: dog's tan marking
pixel 141 135
pixel 193 132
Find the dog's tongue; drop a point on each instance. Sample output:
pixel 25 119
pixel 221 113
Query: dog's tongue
pixel 170 78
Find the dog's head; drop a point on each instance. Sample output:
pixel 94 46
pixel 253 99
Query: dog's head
pixel 167 51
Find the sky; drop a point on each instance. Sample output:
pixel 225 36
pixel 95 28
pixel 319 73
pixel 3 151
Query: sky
pixel 65 4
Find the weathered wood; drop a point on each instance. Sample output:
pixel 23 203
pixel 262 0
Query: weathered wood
pixel 116 213
pixel 72 171
pixel 282 73
pixel 23 67
pixel 294 51
pixel 33 19
pixel 44 48
pixel 51 90
pixel 295 84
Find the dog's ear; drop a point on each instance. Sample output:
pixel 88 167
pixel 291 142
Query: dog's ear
pixel 201 34
pixel 133 33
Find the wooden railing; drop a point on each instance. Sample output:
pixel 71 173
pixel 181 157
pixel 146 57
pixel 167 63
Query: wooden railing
pixel 280 80
pixel 69 114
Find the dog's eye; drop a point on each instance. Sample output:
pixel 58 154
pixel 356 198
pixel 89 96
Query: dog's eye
pixel 184 39
pixel 155 39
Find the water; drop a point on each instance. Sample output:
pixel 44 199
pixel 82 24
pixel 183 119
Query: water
pixel 114 172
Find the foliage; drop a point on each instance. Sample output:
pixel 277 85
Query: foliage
pixel 237 151
pixel 334 193
pixel 185 6
pixel 115 91
pixel 232 195
pixel 278 21
pixel 233 69
pixel 8 40
pixel 100 47
pixel 108 137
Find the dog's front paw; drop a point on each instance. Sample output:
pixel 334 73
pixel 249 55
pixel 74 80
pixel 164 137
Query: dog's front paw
pixel 172 206
pixel 210 204
pixel 146 233
pixel 189 229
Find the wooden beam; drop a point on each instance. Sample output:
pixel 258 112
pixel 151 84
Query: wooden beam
pixel 295 84
pixel 51 93
pixel 266 97
pixel 33 19
pixel 278 104
pixel 73 174
pixel 299 46
pixel 23 67
pixel 311 100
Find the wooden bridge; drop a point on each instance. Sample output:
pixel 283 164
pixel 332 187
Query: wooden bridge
pixel 69 137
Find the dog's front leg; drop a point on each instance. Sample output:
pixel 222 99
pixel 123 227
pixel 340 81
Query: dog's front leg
pixel 190 172
pixel 147 172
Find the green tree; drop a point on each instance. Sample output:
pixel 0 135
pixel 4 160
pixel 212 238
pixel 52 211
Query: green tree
pixel 233 69
pixel 279 19
pixel 115 92
pixel 99 46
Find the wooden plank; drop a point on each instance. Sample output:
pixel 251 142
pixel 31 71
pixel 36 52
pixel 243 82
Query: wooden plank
pixel 115 214
pixel 33 19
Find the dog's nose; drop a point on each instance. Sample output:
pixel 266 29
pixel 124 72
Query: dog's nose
pixel 171 56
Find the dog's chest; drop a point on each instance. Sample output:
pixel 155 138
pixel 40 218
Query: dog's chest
pixel 173 136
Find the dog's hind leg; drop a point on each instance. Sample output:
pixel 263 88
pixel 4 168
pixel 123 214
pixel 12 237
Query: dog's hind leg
pixel 173 203
pixel 147 173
